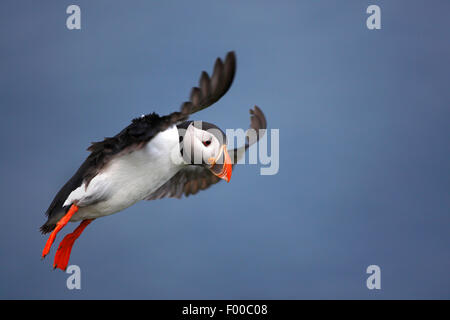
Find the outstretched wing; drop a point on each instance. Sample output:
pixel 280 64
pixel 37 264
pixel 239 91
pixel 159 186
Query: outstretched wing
pixel 258 126
pixel 210 90
pixel 187 181
pixel 192 179
pixel 142 130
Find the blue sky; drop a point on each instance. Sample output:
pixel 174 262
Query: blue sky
pixel 364 159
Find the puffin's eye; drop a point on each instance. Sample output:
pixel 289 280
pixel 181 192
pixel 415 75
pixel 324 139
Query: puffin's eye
pixel 206 143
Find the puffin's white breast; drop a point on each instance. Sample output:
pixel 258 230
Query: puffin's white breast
pixel 130 178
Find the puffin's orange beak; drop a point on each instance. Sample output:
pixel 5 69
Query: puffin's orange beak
pixel 224 169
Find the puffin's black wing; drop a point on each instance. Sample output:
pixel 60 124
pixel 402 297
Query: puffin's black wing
pixel 187 181
pixel 192 179
pixel 211 89
pixel 258 126
pixel 141 131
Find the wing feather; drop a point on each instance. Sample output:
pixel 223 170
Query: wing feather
pixel 211 89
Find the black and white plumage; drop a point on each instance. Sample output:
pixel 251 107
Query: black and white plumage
pixel 145 160
pixel 192 179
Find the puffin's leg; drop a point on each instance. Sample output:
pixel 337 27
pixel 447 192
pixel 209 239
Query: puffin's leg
pixel 59 225
pixel 62 255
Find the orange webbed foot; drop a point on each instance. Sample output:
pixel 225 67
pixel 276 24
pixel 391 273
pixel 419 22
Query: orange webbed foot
pixel 59 225
pixel 62 255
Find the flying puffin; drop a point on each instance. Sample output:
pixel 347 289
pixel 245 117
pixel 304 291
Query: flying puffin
pixel 153 158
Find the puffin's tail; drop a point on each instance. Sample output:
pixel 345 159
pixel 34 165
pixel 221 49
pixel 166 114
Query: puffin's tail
pixel 53 219
pixel 47 227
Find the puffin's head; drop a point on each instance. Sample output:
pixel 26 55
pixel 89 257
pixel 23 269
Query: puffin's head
pixel 203 143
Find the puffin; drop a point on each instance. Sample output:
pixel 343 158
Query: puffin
pixel 154 157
